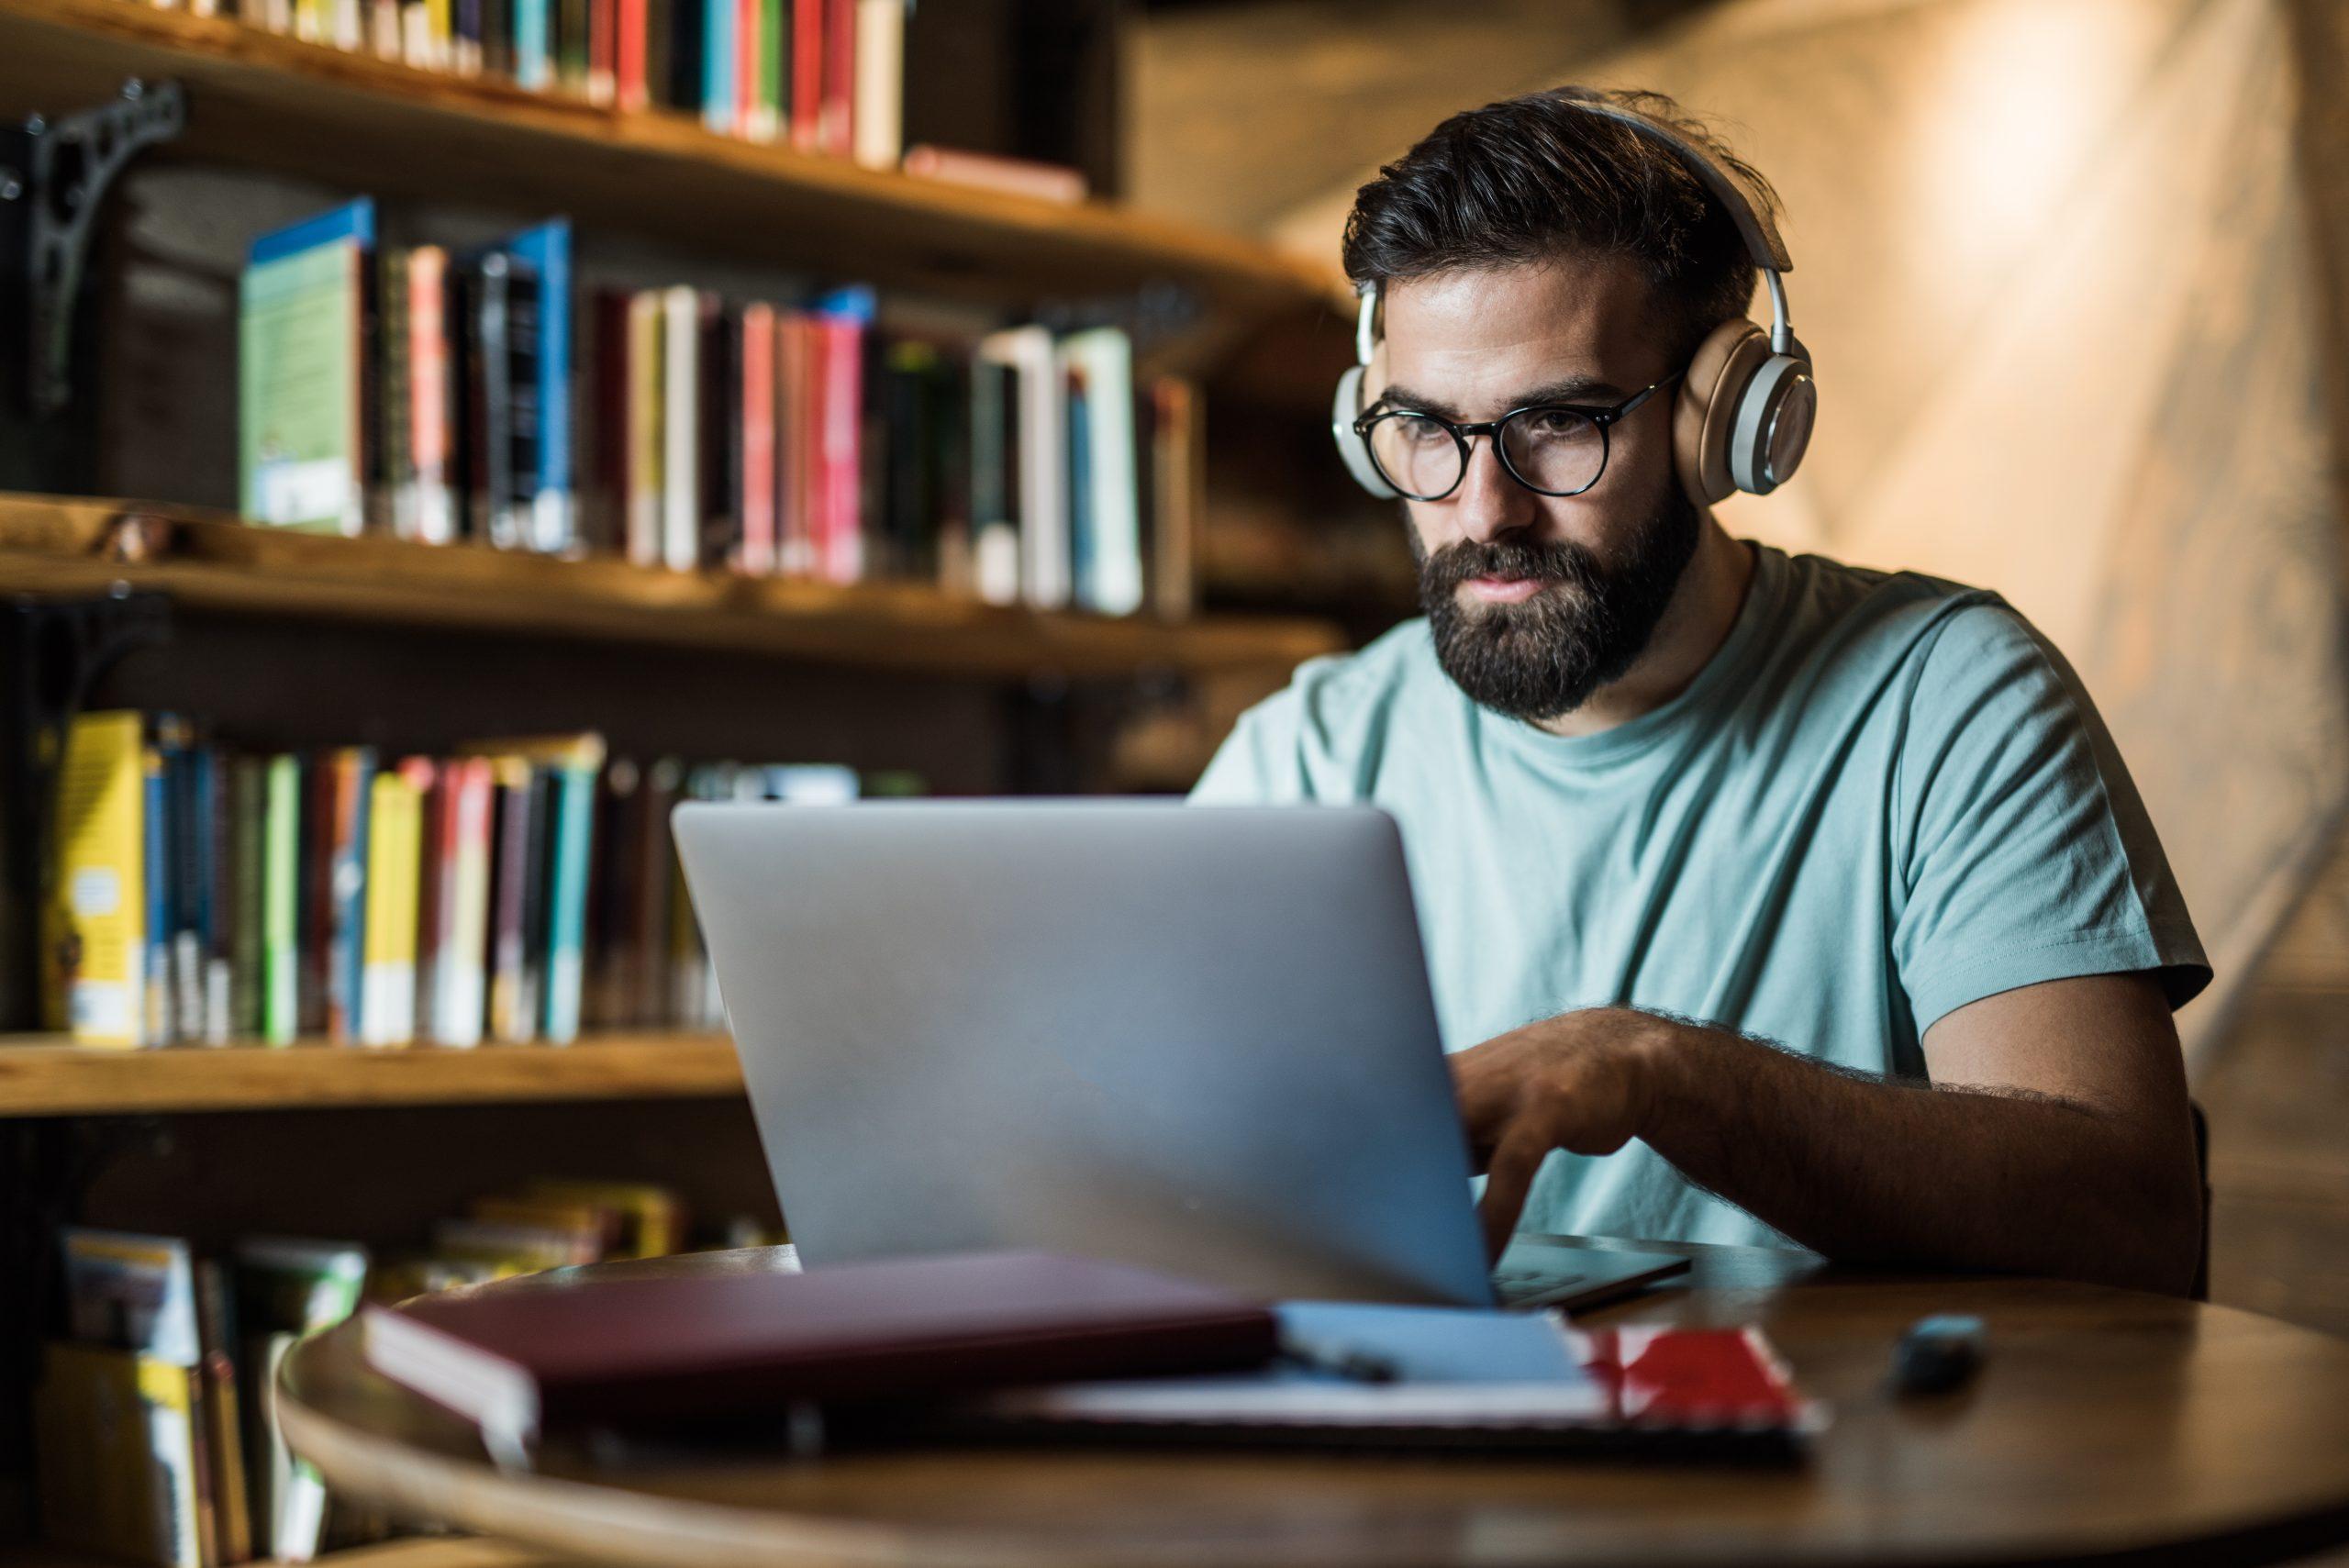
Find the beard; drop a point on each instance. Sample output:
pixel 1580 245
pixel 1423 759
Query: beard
pixel 1543 657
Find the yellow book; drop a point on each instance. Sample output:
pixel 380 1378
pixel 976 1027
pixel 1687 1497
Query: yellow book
pixel 116 1434
pixel 394 867
pixel 96 942
pixel 655 1216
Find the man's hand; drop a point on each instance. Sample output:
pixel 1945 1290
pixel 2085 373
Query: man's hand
pixel 1583 1082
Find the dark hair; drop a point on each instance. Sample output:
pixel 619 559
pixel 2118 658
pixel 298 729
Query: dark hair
pixel 1527 180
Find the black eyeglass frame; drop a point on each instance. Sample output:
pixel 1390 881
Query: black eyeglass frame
pixel 1602 415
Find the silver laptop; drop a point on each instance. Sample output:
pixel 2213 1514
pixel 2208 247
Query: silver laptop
pixel 1198 1038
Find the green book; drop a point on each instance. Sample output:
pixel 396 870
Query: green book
pixel 248 838
pixel 280 955
pixel 774 68
pixel 301 366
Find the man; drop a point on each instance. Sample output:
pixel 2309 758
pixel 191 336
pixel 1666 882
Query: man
pixel 1771 899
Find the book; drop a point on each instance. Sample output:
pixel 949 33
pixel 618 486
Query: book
pixel 280 957
pixel 1042 419
pixel 646 495
pixel 394 856
pixel 223 1422
pixel 841 319
pixel 301 366
pixel 155 854
pixel 352 774
pixel 878 113
pixel 460 916
pixel 549 524
pixel 1177 449
pixel 116 1437
pixel 993 172
pixel 131 1291
pixel 807 73
pixel 1111 543
pixel 835 111
pixel 522 1362
pixel 247 925
pixel 285 1288
pixel 512 1003
pixel 680 415
pixel 758 553
pixel 96 935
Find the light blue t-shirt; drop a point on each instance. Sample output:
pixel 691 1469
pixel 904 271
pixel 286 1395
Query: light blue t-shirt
pixel 1883 798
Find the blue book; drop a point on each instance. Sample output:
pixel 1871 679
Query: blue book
pixel 546 252
pixel 533 58
pixel 720 94
pixel 155 1026
pixel 1081 542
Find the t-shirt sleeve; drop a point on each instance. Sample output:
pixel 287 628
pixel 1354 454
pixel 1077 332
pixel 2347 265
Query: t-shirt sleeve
pixel 2024 852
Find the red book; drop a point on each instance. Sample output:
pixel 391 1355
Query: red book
pixel 627 54
pixel 669 1346
pixel 614 452
pixel 758 553
pixel 750 47
pixel 603 73
pixel 807 71
pixel 836 115
pixel 841 409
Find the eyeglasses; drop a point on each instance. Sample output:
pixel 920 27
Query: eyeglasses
pixel 1551 449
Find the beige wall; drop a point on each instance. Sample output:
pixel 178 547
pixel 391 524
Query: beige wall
pixel 2062 266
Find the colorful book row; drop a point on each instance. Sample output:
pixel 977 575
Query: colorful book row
pixel 205 895
pixel 827 76
pixel 438 396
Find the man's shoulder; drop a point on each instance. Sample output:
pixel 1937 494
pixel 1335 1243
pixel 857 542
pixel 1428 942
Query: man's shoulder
pixel 1843 613
pixel 1320 736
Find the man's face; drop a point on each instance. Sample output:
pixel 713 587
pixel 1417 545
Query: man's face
pixel 1537 601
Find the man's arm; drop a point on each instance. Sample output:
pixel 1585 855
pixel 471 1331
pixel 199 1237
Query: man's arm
pixel 2052 1140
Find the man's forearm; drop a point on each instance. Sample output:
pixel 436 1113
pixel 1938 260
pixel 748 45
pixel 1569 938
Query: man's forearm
pixel 1863 1169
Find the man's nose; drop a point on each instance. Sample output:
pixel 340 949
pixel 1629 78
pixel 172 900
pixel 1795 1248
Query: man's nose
pixel 1489 502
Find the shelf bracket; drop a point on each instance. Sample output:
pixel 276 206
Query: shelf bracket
pixel 52 653
pixel 54 176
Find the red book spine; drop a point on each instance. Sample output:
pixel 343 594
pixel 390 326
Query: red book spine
pixel 603 72
pixel 749 51
pixel 428 400
pixel 758 440
pixel 795 419
pixel 841 543
pixel 837 131
pixel 627 54
pixel 807 71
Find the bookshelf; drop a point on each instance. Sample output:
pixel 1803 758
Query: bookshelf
pixel 39 1077
pixel 292 639
pixel 358 122
pixel 209 560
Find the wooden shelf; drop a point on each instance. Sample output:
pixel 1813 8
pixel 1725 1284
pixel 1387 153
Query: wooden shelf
pixel 368 125
pixel 39 1077
pixel 414 1551
pixel 209 560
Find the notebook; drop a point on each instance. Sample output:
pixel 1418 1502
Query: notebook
pixel 666 1346
pixel 1443 1377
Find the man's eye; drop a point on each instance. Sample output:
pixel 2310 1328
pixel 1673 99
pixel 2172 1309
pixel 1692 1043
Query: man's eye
pixel 1558 424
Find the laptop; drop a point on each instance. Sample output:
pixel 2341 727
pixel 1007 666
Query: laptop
pixel 1195 1038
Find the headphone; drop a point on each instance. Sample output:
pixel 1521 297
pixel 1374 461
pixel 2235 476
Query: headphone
pixel 1743 414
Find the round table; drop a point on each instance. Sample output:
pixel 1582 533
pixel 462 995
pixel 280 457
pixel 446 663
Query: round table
pixel 2106 1425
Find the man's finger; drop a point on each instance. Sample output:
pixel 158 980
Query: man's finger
pixel 1508 1179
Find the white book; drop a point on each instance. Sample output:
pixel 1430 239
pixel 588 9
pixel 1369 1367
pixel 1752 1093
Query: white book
pixel 1111 580
pixel 680 428
pixel 879 135
pixel 1043 460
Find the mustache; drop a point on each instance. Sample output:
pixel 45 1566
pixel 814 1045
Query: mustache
pixel 1550 560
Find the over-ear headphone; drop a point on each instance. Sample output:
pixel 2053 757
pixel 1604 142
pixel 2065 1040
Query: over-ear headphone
pixel 1744 415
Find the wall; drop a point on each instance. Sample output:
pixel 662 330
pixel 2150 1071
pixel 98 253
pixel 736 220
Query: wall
pixel 2067 267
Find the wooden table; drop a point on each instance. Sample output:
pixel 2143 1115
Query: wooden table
pixel 2108 1425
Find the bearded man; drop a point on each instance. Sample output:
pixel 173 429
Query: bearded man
pixel 1766 899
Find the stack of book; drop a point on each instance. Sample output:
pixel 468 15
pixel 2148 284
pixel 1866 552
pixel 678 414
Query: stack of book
pixel 825 75
pixel 205 895
pixel 440 396
pixel 157 1443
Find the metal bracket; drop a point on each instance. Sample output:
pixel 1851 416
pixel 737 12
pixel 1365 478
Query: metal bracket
pixel 54 176
pixel 52 654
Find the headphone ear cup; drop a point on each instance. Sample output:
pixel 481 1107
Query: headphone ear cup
pixel 1344 409
pixel 1703 416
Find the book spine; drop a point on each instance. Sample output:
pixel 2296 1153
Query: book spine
pixel 461 980
pixel 681 427
pixel 721 433
pixel 431 398
pixel 602 51
pixel 280 903
pixel 758 440
pixel 533 61
pixel 392 498
pixel 353 770
pixel 628 62
pixel 510 1016
pixel 842 403
pixel 96 945
pixel 879 111
pixel 750 51
pixel 574 801
pixel 247 925
pixel 537 888
pixel 387 995
pixel 156 1004
pixel 836 114
pixel 718 76
pixel 774 69
pixel 794 416
pixel 807 73
pixel 647 370
pixel 657 873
